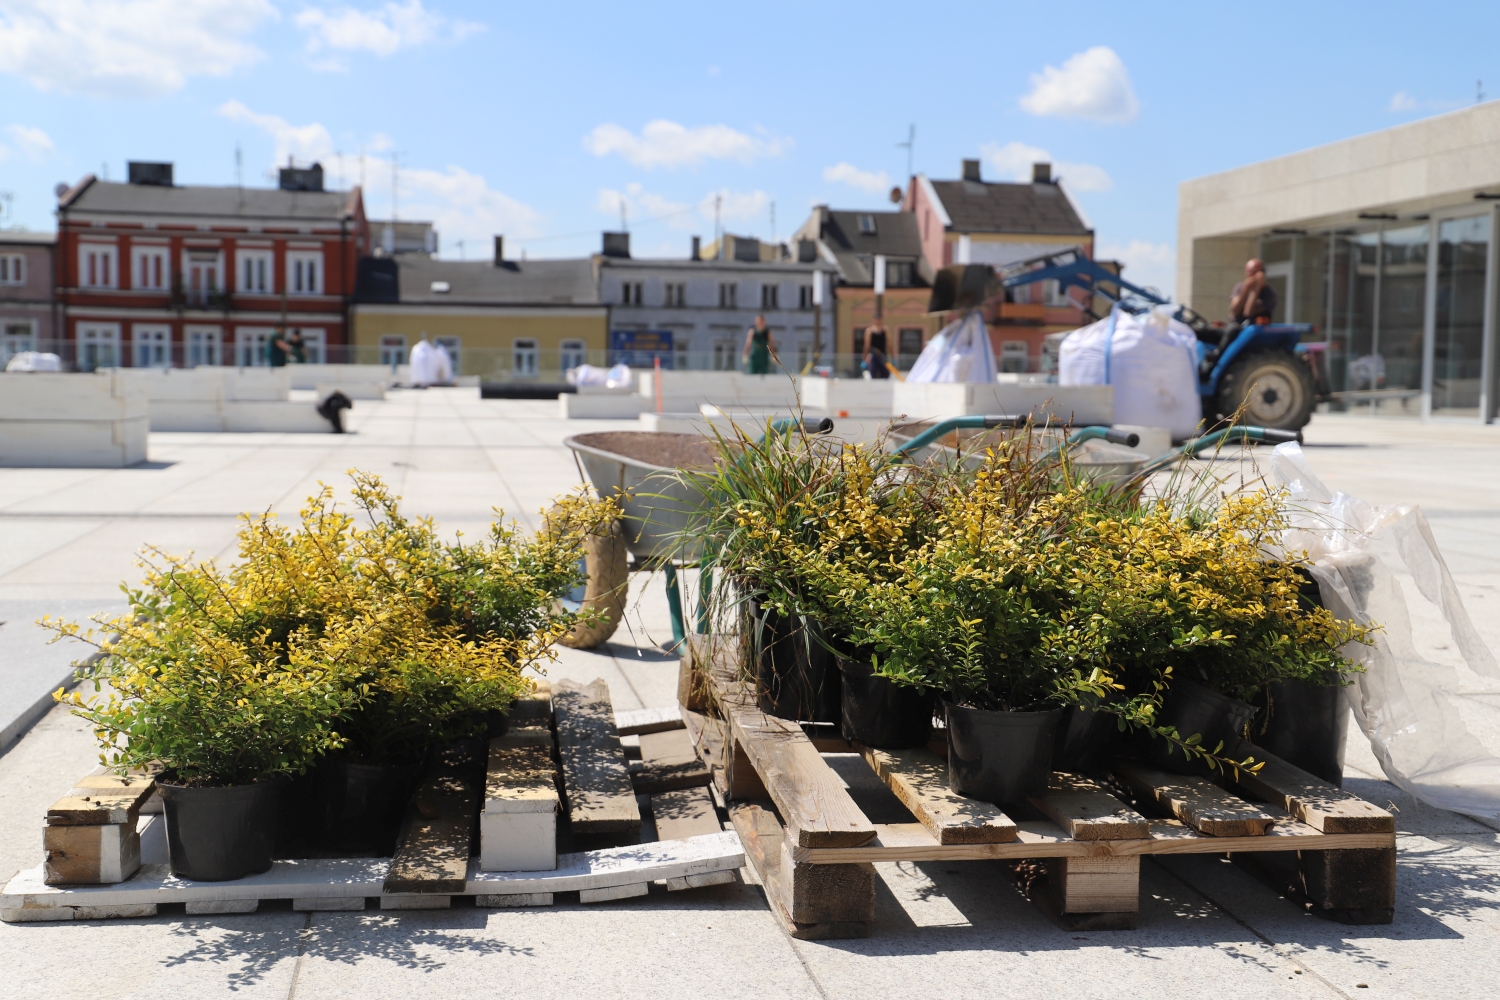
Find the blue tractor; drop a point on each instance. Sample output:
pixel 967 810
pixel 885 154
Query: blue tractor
pixel 1268 370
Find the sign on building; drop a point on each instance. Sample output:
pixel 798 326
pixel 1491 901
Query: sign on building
pixel 640 348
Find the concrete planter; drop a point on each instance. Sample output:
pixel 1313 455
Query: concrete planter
pixel 72 420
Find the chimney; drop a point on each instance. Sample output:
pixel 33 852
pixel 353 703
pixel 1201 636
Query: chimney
pixel 971 170
pixel 697 248
pixel 499 250
pixel 1041 173
pixel 301 178
pixel 807 251
pixel 617 245
pixel 149 174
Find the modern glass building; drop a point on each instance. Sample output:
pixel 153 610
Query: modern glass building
pixel 1385 242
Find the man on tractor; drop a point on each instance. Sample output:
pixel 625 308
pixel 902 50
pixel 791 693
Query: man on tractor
pixel 1253 300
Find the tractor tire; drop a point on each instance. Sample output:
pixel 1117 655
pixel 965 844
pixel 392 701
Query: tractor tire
pixel 1274 387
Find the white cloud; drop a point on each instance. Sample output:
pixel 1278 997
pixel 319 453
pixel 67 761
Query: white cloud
pixel 383 30
pixel 1150 265
pixel 876 182
pixel 1092 84
pixel 1402 101
pixel 35 143
pixel 304 142
pixel 127 48
pixel 641 205
pixel 1014 160
pixel 667 144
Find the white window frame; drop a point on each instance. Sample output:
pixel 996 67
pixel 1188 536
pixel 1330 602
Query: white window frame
pixel 729 294
pixel 299 281
pixel 632 293
pixel 141 276
pixel 151 345
pixel 1013 351
pixel 98 266
pixel 454 346
pixel 571 353
pixel 674 294
pixel 12 341
pixel 314 343
pixel 202 346
pixel 12 269
pixel 525 357
pixel 250 346
pixel 209 274
pixel 770 297
pixel 255 272
pixel 393 349
pixel 98 346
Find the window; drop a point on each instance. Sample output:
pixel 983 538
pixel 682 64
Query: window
pixel 769 294
pixel 729 294
pixel 313 346
pixel 804 356
pixel 256 268
pixel 909 341
pixel 725 355
pixel 674 295
pixel 250 347
pixel 571 354
pixel 859 341
pixel 304 273
pixel 96 267
pixel 1052 294
pixel 203 281
pixel 393 350
pixel 867 224
pixel 201 346
pixel 98 345
pixel 153 346
pixel 804 297
pixel 524 358
pixel 1013 356
pixel 12 269
pixel 453 345
pixel 151 268
pixel 898 273
pixel 16 336
pixel 631 293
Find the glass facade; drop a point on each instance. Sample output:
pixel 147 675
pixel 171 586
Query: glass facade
pixel 1395 298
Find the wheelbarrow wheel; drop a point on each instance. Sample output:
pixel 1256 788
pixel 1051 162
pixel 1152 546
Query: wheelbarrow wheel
pixel 605 561
pixel 1275 388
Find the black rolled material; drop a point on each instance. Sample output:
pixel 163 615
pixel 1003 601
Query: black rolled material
pixel 1307 727
pixel 216 834
pixel 1194 709
pixel 878 712
pixel 1000 756
pixel 795 669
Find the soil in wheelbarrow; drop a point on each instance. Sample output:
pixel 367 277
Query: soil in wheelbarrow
pixel 672 451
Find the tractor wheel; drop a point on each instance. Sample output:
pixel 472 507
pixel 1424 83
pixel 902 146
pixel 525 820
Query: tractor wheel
pixel 1275 388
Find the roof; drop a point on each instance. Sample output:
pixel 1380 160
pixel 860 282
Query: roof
pixel 989 207
pixel 854 246
pixel 27 236
pixel 117 198
pixel 528 282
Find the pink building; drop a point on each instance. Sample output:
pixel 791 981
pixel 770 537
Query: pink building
pixel 27 311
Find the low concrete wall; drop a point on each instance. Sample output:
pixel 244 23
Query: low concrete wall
pixel 242 400
pixel 1076 404
pixel 858 397
pixel 311 376
pixel 687 390
pixel 603 405
pixel 72 420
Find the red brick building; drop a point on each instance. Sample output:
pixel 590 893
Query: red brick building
pixel 154 275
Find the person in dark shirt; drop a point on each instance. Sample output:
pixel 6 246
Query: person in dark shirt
pixel 1253 300
pixel 297 348
pixel 276 350
pixel 876 351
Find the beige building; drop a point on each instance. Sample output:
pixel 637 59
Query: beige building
pixel 1385 241
pixel 500 320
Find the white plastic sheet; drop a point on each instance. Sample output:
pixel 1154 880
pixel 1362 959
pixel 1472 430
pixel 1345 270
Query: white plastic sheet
pixel 1150 359
pixel 34 361
pixel 442 364
pixel 593 375
pixel 1401 699
pixel 960 352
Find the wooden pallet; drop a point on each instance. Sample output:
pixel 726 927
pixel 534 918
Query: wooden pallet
pixel 812 846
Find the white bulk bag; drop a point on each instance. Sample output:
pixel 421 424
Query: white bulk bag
pixel 1150 359
pixel 961 352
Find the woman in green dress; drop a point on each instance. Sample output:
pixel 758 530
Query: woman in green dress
pixel 760 348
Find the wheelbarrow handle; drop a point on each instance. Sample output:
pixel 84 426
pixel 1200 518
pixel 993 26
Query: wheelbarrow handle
pixel 807 425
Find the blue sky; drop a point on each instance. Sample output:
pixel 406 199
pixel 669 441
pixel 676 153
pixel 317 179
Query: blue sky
pixel 537 121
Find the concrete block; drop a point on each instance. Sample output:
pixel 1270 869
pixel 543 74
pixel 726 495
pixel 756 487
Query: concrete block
pixel 73 444
pixel 687 390
pixel 329 903
pixel 109 395
pixel 855 396
pixel 1075 404
pixel 415 901
pixel 211 906
pixel 515 899
pixel 613 892
pixel 274 417
pixel 603 406
pixel 310 376
pixel 518 842
pixel 352 389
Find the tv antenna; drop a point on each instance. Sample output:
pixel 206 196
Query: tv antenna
pixel 910 146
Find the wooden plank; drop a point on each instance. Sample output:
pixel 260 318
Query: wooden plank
pixel 810 797
pixel 684 813
pixel 640 721
pixel 102 799
pixel 1087 812
pixel 432 851
pixel 764 840
pixel 90 855
pixel 919 778
pixel 1349 887
pixel 1310 799
pixel 1198 802
pixel 1097 885
pixel 710 660
pixel 668 760
pixel 600 798
pixel 535 707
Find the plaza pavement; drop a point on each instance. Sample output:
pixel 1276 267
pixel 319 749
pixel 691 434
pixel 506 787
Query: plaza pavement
pixel 68 537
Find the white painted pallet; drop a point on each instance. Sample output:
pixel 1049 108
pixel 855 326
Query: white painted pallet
pixel 339 882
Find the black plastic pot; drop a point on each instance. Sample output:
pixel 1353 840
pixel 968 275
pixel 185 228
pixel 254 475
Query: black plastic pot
pixel 797 677
pixel 878 712
pixel 360 806
pixel 1307 727
pixel 1000 756
pixel 1193 708
pixel 223 833
pixel 1086 740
